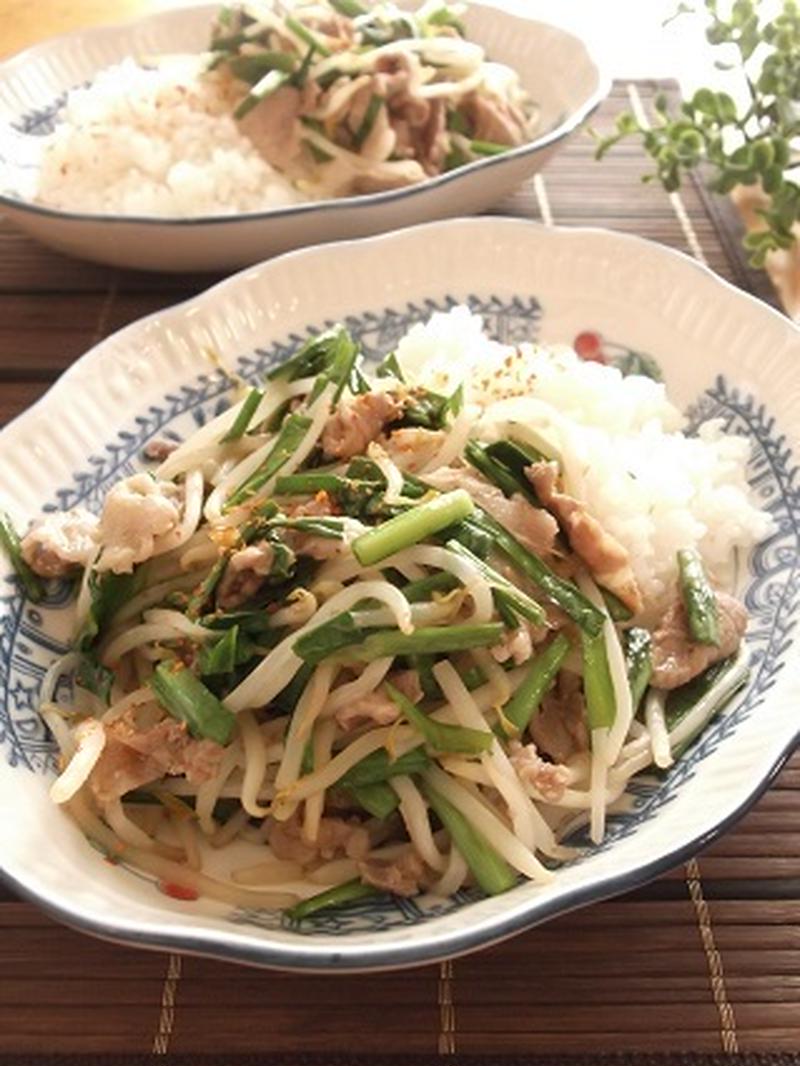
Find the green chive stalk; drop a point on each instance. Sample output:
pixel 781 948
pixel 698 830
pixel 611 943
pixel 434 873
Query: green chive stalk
pixel 618 611
pixel 379 767
pixel 698 598
pixel 339 896
pixel 10 543
pixel 525 702
pixel 601 704
pixel 639 663
pixel 380 800
pixel 244 417
pixel 288 441
pixel 412 526
pixel 186 698
pixel 206 588
pixel 252 68
pixel 349 8
pixel 431 640
pixel 439 736
pixel 368 121
pixel 563 593
pixel 220 657
pixel 705 697
pixel 269 84
pixel 318 644
pixel 340 367
pixel 311 483
pixel 424 587
pixel 107 593
pixel 488 147
pixel 682 700
pixel 492 872
pixel 496 471
pixel 305 35
pixel 330 528
pixel 316 355
pixel 519 601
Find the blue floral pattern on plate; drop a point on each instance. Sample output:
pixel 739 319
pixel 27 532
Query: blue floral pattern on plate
pixel 42 121
pixel 771 587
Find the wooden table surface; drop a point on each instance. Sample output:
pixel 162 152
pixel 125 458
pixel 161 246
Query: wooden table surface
pixel 704 959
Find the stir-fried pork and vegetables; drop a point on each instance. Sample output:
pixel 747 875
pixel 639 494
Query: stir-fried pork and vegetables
pixel 346 97
pixel 364 632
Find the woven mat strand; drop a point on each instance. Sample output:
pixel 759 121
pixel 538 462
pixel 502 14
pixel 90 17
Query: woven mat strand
pixel 344 1059
pixel 702 961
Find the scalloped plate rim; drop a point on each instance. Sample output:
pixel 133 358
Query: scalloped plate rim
pixel 333 247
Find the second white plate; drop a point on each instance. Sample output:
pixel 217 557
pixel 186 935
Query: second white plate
pixel 555 66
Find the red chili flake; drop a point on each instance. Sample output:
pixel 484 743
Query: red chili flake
pixel 175 891
pixel 589 346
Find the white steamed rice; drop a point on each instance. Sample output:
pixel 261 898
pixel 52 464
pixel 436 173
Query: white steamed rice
pixel 159 142
pixel 625 455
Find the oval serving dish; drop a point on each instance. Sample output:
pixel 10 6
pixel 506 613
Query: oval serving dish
pixel 556 68
pixel 723 355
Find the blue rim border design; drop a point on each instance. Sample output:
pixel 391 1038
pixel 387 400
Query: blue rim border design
pixel 559 132
pixel 377 335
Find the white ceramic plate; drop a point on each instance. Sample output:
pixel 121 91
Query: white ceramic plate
pixel 723 355
pixel 556 68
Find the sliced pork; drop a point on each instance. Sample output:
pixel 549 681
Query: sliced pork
pixel 335 837
pixel 378 708
pixel 244 575
pixel 275 129
pixel 532 526
pixel 515 644
pixel 677 658
pixel 133 757
pixel 358 422
pixel 61 542
pixel 603 554
pixel 548 779
pixel 494 120
pixel 402 875
pixel 559 727
pixel 412 448
pixel 136 512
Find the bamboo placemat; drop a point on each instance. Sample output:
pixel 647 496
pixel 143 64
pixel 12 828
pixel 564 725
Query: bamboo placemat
pixel 702 966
